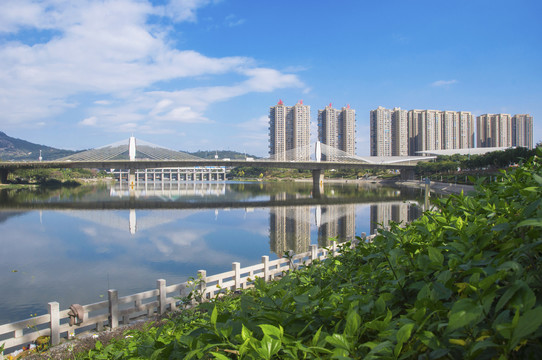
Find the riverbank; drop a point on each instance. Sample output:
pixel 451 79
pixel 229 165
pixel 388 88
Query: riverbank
pixel 435 186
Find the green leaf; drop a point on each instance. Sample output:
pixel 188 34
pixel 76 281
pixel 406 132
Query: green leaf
pixel 531 222
pixel 268 347
pixel 527 324
pixel 402 336
pixel 404 333
pixel 507 296
pixel 272 331
pixel 435 255
pixel 338 341
pixel 214 315
pixel 429 340
pixel 246 333
pixel 316 337
pixel 353 322
pixel 482 345
pixel 219 356
pixel 464 312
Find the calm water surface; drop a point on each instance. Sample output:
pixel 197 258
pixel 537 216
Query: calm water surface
pixel 72 245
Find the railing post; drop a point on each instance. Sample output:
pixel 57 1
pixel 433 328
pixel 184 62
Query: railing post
pixel 236 267
pixel 202 277
pixel 265 261
pixel 54 322
pixel 161 286
pixel 314 252
pixel 113 308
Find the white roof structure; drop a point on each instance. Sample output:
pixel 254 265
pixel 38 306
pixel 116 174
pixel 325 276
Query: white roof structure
pixel 127 150
pixel 468 151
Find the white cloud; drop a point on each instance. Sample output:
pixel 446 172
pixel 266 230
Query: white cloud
pixel 443 83
pixel 109 49
pixel 257 125
pixel 90 121
pixel 232 21
pixel 184 10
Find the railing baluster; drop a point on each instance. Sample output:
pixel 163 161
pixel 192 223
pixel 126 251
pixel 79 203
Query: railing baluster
pixel 54 323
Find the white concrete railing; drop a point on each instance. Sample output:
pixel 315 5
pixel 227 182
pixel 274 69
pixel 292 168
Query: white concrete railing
pixel 115 310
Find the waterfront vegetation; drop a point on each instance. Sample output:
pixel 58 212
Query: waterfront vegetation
pixel 53 177
pixel 461 282
pixel 468 169
pixel 270 174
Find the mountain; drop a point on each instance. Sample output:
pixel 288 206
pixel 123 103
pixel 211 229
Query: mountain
pixel 17 149
pixel 222 154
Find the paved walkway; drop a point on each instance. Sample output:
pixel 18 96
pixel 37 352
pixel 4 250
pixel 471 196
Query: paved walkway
pixel 438 187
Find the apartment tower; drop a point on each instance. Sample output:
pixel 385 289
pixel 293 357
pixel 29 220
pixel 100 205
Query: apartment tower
pixel 389 132
pixel 337 130
pixel 494 130
pixel 289 132
pixel 439 130
pixel 522 130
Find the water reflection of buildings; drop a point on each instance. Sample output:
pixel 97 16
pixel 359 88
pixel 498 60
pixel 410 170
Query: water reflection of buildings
pixel 289 227
pixel 399 212
pixel 338 222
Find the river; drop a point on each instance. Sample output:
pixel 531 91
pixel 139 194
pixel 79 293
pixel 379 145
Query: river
pixel 73 244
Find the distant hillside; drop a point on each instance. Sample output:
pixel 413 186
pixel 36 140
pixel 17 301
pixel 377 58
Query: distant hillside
pixel 17 149
pixel 222 154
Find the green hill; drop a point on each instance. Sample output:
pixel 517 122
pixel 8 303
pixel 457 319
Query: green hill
pixel 17 149
pixel 222 154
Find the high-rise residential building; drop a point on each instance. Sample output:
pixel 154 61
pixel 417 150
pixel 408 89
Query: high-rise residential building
pixel 337 130
pixel 466 130
pixel 494 130
pixel 522 130
pixel 399 131
pixel 389 132
pixel 439 130
pixel 289 132
pixel 380 124
pixel 503 130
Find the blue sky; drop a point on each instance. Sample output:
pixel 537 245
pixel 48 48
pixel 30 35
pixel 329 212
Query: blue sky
pixel 201 74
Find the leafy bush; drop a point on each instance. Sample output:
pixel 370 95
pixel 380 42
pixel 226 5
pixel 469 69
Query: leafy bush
pixel 463 282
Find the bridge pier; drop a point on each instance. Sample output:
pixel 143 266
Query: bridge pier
pixel 317 183
pixel 4 176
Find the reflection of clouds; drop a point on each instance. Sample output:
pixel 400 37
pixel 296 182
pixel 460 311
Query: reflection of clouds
pixel 256 222
pixel 188 246
pixel 89 231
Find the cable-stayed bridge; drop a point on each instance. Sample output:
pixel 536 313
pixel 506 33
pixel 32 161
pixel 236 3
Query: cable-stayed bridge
pixel 135 155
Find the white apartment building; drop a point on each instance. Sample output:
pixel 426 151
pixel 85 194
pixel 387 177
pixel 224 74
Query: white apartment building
pixel 504 130
pixel 389 132
pixel 289 132
pixel 337 129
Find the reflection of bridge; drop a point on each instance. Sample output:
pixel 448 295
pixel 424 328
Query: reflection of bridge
pixel 122 156
pixel 168 190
